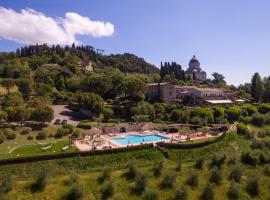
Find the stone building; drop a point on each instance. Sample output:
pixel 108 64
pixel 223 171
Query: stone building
pixel 163 91
pixel 194 70
pixel 170 93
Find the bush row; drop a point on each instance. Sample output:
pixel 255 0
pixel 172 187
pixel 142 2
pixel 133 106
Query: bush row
pixel 190 146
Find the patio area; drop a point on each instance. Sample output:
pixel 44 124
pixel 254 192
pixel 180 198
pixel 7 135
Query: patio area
pixel 106 141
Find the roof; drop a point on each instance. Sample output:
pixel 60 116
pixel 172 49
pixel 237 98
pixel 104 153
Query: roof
pixel 152 84
pixel 223 101
pixel 240 100
pixel 199 89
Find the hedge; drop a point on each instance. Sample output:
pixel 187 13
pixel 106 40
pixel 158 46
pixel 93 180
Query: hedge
pixel 190 146
pixel 26 159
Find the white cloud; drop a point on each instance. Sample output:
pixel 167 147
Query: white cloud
pixel 31 27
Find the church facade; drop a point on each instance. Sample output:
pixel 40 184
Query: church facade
pixel 195 71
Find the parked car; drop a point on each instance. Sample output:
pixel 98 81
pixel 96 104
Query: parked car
pixel 64 122
pixel 57 121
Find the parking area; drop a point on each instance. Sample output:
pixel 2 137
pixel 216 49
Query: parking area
pixel 63 113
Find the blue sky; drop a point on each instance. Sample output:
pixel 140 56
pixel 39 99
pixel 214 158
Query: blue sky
pixel 228 36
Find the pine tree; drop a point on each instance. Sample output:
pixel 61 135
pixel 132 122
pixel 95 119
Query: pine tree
pixel 256 87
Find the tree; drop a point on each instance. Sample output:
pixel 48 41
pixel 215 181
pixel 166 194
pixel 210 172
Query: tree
pixel 108 114
pixel 42 89
pixel 233 192
pixel 208 192
pixel 8 83
pixel 181 193
pixel 253 186
pixel 144 108
pixel 134 88
pixel 13 99
pixel 204 113
pixel 140 183
pixel 266 83
pixel 216 176
pixel 41 181
pixel 233 113
pixel 22 114
pixel 218 78
pixel 169 180
pixel 25 86
pixel 42 112
pixel 149 194
pixel 256 87
pixel 107 191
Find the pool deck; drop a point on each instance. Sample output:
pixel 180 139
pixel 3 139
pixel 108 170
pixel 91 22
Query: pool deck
pixel 106 142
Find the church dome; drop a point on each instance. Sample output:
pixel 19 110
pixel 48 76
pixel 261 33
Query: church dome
pixel 194 63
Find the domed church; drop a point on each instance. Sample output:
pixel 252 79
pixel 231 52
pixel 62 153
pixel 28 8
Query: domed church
pixel 194 70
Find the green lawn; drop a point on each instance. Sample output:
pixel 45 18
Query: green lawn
pixel 37 149
pixel 21 146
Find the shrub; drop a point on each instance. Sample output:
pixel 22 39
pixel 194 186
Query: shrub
pixel 10 134
pixel 78 132
pixel 208 192
pixel 236 174
pixel 107 190
pixel 178 166
pixel 150 195
pixel 181 193
pixel 267 170
pixel 26 130
pixel 2 138
pixel 250 109
pixel 157 169
pixel 84 125
pixel 263 158
pixel 247 158
pixel 233 113
pixel 68 127
pixel 42 135
pixel 106 175
pixel 199 163
pixel 197 121
pixel 253 186
pixel 140 183
pixel 242 129
pixel 75 193
pixel 30 137
pixel 257 144
pixel 267 131
pixel 175 115
pixel 41 181
pixel 6 183
pixel 61 131
pixel 218 161
pixel 258 119
pixel 193 179
pixel 264 108
pixel 233 192
pixel 73 180
pixel 216 176
pixel 169 180
pixel 132 170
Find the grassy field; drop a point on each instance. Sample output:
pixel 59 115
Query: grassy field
pixel 89 168
pixel 21 146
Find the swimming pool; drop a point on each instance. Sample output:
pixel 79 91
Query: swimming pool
pixel 137 139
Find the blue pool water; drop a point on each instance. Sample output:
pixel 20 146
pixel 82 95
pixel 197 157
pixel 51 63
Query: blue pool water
pixel 137 139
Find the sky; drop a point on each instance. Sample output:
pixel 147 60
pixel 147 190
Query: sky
pixel 231 37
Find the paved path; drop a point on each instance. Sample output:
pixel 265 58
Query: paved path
pixel 62 112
